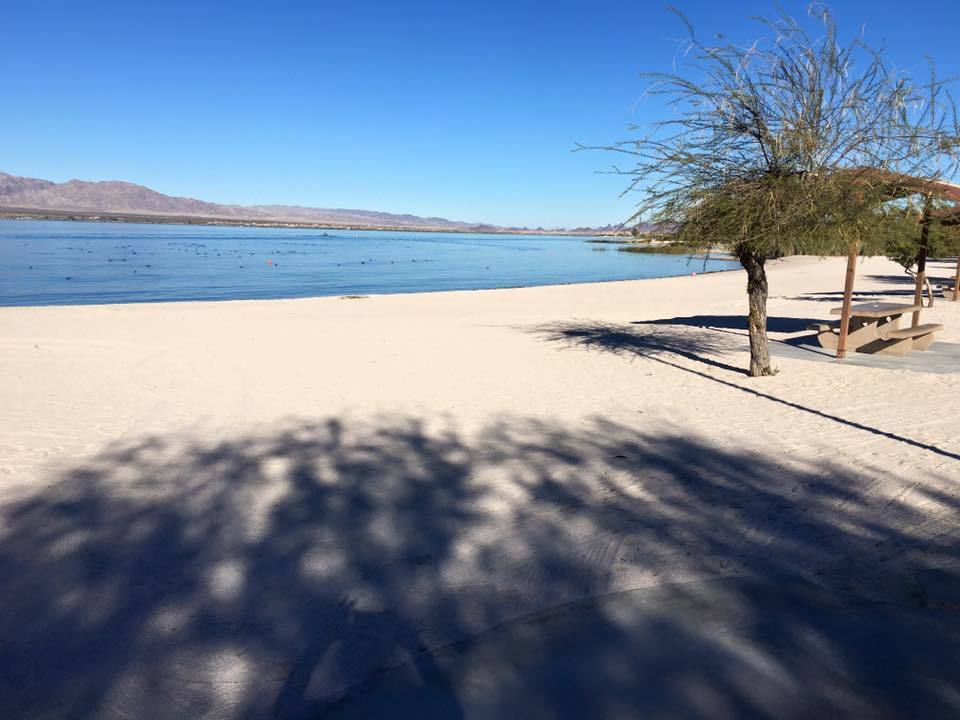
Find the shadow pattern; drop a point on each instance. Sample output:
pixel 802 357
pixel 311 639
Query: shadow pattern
pixel 283 574
pixel 666 346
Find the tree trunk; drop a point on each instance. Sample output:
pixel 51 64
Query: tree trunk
pixel 757 295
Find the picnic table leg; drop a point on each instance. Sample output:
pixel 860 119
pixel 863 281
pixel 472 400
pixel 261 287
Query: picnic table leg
pixel 885 325
pixel 922 260
pixel 863 332
pixel 956 281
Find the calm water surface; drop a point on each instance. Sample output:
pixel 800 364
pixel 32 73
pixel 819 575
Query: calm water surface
pixel 73 263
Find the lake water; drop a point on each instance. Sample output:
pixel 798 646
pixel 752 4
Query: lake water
pixel 73 263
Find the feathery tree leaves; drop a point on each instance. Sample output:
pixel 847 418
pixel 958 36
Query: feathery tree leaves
pixel 774 148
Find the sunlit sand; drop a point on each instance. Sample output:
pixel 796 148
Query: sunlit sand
pixel 254 507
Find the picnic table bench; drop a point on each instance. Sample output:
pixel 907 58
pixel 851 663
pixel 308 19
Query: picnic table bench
pixel 875 328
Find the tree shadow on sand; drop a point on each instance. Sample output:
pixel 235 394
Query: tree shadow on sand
pixel 775 324
pixel 937 273
pixel 690 341
pixel 836 296
pixel 737 325
pixel 683 339
pixel 323 565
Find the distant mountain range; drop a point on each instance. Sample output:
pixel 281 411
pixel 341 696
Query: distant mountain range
pixel 123 201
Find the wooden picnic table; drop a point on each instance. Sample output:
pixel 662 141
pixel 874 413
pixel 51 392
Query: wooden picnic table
pixel 875 328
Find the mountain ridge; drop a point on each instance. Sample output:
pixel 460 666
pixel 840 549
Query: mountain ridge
pixel 127 201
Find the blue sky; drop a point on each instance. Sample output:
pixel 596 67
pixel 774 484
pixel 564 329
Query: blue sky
pixel 459 109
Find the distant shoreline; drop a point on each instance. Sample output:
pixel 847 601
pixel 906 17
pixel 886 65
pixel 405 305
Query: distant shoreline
pixel 15 213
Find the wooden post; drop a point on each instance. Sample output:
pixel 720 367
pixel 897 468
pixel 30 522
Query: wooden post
pixel 922 260
pixel 956 280
pixel 847 299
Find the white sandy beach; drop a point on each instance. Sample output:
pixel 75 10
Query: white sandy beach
pixel 247 508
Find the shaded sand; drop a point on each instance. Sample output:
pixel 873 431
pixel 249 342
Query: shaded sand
pixel 249 509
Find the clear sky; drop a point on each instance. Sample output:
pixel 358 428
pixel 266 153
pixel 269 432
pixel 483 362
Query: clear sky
pixel 466 110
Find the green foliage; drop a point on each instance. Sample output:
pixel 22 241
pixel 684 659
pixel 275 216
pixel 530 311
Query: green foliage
pixel 902 242
pixel 772 148
pixel 655 248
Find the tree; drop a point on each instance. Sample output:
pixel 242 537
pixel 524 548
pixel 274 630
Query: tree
pixel 750 160
pixel 909 244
